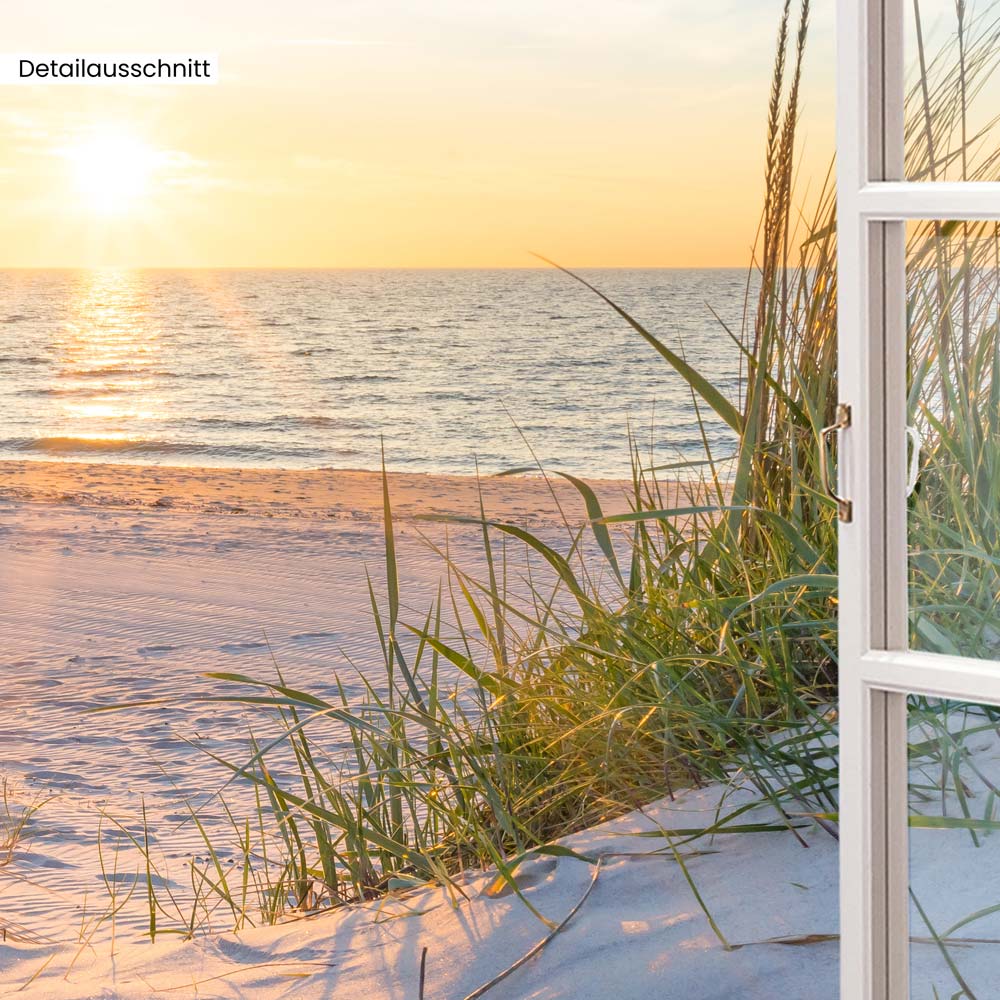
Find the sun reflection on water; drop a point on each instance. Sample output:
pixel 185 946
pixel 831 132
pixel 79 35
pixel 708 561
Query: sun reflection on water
pixel 110 351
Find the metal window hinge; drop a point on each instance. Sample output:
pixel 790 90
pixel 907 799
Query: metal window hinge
pixel 845 508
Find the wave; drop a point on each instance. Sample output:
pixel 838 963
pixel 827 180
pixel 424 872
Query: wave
pixel 63 391
pixel 361 378
pixel 316 421
pixel 148 447
pixel 24 359
pixel 109 446
pixel 130 372
pixel 279 422
pixel 111 371
pixel 456 395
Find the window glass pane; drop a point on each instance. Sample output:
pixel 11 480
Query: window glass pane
pixel 953 89
pixel 953 310
pixel 954 834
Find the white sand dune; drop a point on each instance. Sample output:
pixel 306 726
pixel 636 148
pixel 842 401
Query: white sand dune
pixel 639 934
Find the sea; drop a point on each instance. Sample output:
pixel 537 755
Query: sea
pixel 446 371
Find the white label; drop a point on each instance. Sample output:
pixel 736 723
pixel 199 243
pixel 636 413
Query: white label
pixel 123 69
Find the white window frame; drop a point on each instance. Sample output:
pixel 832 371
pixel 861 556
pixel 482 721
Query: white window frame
pixel 877 671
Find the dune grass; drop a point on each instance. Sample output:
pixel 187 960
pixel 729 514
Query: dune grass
pixel 16 814
pixel 691 640
pixel 17 811
pixel 697 639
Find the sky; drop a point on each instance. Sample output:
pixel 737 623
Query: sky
pixel 386 134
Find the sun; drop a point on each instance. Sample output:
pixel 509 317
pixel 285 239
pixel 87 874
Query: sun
pixel 111 170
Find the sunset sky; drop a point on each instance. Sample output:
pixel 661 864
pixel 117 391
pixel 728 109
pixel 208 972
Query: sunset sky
pixel 376 134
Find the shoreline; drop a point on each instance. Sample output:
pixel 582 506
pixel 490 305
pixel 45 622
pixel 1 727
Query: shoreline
pixel 341 494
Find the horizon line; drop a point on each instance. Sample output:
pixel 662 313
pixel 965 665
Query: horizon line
pixel 373 267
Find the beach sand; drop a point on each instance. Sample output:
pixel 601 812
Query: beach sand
pixel 351 494
pixel 121 583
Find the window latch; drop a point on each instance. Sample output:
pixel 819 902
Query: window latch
pixel 845 508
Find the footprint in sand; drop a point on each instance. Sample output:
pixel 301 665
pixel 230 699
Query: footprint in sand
pixel 57 779
pixel 130 878
pixel 238 951
pixel 242 647
pixel 42 860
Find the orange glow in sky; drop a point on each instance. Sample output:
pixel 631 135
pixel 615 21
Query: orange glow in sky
pixel 399 134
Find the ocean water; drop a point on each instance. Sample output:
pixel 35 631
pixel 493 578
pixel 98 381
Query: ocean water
pixel 314 368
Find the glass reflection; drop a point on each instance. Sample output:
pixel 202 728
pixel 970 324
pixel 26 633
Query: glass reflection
pixel 954 800
pixel 952 53
pixel 953 279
